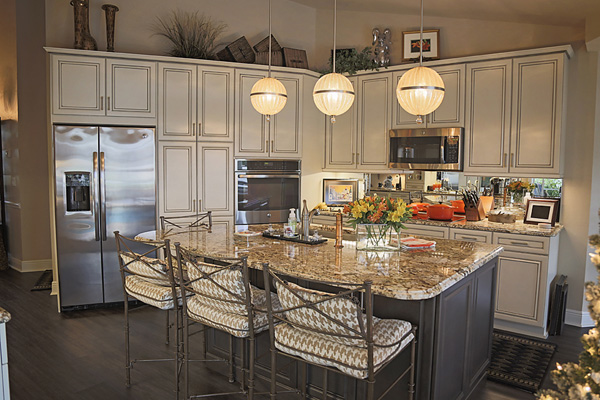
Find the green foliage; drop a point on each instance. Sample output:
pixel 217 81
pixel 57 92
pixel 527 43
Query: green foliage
pixel 349 61
pixel 192 35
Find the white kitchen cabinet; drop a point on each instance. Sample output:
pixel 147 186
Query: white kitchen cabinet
pixel 487 126
pixel 195 177
pixel 195 101
pixel 281 137
pixel 514 121
pixel 537 106
pixel 526 270
pixel 103 86
pixel 470 235
pixel 226 222
pixel 439 232
pixel 176 178
pixel 359 138
pixel 449 114
pixel 215 172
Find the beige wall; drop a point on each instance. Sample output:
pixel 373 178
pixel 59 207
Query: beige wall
pixel 293 24
pixel 458 37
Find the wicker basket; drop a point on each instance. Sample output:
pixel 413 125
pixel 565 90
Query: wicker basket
pixel 238 51
pixel 295 58
pixel 263 45
pixel 276 58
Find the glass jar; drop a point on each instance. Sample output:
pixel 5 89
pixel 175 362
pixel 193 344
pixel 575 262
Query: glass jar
pixel 377 237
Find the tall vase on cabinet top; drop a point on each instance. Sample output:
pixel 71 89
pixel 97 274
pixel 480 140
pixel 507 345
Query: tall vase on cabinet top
pixel 83 38
pixel 110 11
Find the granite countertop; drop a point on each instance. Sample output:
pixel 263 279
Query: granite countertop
pixel 407 274
pixel 518 227
pixel 4 316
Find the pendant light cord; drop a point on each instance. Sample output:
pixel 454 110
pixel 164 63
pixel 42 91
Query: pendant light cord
pixel 270 38
pixel 334 29
pixel 420 38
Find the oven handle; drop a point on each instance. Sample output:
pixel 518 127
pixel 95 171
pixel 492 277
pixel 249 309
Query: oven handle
pixel 268 176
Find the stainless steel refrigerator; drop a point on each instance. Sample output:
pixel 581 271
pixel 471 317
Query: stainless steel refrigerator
pixel 105 181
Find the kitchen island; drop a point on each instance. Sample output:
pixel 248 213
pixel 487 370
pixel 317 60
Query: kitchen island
pixel 448 292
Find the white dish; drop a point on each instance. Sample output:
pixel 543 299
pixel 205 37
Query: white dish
pixel 247 233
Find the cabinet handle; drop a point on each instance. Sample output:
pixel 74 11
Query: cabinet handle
pixel 357 158
pixel 353 157
pixel 193 129
pixel 512 159
pixel 193 205
pixel 518 243
pixel 199 205
pixel 101 103
pixel 504 160
pixel 267 146
pixel 468 238
pixel 272 145
pixel 108 103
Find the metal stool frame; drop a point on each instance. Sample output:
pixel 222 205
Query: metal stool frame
pixel 349 291
pixel 199 220
pixel 124 249
pixel 186 260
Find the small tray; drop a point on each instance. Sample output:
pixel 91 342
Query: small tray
pixel 292 239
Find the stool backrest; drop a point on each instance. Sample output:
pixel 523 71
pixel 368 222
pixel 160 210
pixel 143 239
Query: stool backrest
pixel 222 283
pixel 337 316
pixel 197 221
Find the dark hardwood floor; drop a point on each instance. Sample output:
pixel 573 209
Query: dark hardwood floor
pixel 80 354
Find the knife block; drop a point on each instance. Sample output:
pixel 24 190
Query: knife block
pixel 475 213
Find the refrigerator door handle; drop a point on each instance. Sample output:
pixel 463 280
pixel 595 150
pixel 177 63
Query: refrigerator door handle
pixel 103 195
pixel 96 188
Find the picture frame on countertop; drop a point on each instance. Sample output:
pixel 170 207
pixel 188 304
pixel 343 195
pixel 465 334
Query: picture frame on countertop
pixel 339 192
pixel 411 46
pixel 541 211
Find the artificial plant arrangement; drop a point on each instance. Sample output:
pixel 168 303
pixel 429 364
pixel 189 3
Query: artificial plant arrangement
pixel 582 381
pixel 192 35
pixel 350 60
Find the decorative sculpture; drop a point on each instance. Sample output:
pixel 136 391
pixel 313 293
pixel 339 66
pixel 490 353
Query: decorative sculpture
pixel 83 38
pixel 382 42
pixel 110 11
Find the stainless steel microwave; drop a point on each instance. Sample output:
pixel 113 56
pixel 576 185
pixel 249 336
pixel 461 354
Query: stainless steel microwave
pixel 427 149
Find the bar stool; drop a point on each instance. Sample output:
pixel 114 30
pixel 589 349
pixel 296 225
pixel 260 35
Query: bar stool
pixel 151 281
pixel 199 221
pixel 218 294
pixel 333 331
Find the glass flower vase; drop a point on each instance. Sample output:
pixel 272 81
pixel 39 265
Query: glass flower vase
pixel 377 237
pixel 517 198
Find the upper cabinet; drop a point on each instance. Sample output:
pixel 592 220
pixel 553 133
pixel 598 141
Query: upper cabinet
pixel 359 139
pixel 449 114
pixel 103 86
pixel 195 101
pixel 514 116
pixel 279 137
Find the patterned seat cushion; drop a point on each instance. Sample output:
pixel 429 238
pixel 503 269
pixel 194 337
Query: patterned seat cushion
pixel 152 270
pixel 214 295
pixel 236 324
pixel 351 360
pixel 341 309
pixel 159 296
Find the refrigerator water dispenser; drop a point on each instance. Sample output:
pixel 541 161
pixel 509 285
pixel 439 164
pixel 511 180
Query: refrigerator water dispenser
pixel 78 191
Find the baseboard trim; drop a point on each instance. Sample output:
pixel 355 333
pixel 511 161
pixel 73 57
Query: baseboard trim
pixel 29 266
pixel 578 318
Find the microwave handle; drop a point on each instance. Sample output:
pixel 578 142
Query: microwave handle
pixel 267 176
pixel 442 160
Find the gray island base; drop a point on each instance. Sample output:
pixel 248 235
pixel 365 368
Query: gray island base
pixel 448 292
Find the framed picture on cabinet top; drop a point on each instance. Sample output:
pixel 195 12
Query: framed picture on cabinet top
pixel 541 211
pixel 411 47
pixel 339 192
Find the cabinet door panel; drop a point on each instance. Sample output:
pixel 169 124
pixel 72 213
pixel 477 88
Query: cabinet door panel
pixel 286 125
pixel 487 125
pixel 251 129
pixel 78 85
pixel 176 101
pixel 520 291
pixel 537 90
pixel 340 138
pixel 177 178
pixel 374 99
pixel 215 99
pixel 131 87
pixel 216 178
pixel 450 112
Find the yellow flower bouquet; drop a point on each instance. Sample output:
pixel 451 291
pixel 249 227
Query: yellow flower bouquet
pixel 378 221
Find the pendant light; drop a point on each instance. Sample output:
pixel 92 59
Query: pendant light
pixel 268 96
pixel 333 93
pixel 421 90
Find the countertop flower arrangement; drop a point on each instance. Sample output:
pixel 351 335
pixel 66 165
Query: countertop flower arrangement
pixel 378 210
pixel 520 186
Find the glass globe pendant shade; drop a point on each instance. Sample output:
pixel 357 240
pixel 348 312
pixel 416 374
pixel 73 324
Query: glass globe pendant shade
pixel 333 94
pixel 420 91
pixel 268 96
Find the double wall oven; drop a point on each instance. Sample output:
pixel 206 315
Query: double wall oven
pixel 265 190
